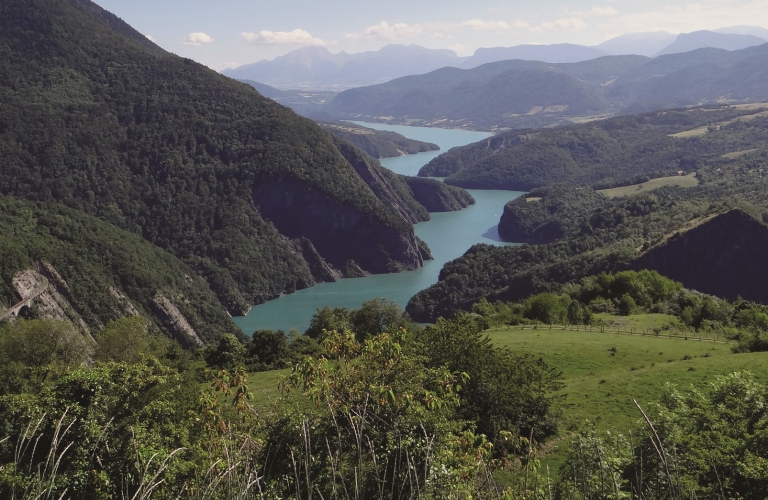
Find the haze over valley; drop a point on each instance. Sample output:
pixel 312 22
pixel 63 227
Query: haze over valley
pixel 317 68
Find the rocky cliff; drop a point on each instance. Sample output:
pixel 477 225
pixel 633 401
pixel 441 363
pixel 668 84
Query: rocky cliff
pixel 343 235
pixel 388 187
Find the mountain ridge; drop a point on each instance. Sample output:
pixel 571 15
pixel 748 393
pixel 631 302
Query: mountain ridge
pixel 110 124
pixel 316 68
pixel 529 94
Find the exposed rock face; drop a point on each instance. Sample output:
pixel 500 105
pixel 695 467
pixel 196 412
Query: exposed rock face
pixel 385 184
pixel 48 295
pixel 338 231
pixel 722 255
pixel 169 313
pixel 320 269
pixel 49 302
pixel 128 309
pixel 28 283
pixel 437 196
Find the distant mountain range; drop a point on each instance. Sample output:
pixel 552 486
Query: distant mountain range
pixel 317 68
pixel 691 41
pixel 522 94
pixel 642 44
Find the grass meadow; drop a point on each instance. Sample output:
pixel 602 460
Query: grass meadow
pixel 689 180
pixel 603 371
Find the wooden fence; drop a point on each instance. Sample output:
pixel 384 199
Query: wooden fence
pixel 627 330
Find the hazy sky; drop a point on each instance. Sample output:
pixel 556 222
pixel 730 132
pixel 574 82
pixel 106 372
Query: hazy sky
pixel 227 33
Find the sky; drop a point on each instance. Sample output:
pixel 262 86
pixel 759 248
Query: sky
pixel 228 33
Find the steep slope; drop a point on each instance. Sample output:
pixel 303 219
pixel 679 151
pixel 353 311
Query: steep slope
pixel 101 120
pixel 388 186
pixel 264 89
pixel 438 196
pixel 723 255
pixel 97 273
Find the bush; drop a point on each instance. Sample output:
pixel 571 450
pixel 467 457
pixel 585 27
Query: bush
pixel 627 305
pixel 547 308
pixel 227 354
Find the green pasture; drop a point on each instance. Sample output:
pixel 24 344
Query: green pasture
pixel 603 371
pixel 689 180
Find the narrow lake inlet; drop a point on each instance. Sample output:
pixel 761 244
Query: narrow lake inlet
pixel 448 235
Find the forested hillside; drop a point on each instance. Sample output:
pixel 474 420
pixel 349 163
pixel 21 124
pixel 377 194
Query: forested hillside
pixel 98 273
pixel 502 94
pixel 98 118
pixel 377 143
pixel 607 153
pixel 692 234
pixel 522 94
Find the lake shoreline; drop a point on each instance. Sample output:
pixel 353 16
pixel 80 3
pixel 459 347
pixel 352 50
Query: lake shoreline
pixel 448 234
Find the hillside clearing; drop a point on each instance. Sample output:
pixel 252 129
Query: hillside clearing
pixel 689 180
pixel 737 154
pixel 700 131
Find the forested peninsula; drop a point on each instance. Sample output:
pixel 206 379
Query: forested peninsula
pixel 613 152
pixel 377 143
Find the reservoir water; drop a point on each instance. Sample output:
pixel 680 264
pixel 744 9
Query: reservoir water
pixel 448 235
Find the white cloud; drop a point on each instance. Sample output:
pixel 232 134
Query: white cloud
pixel 383 31
pixel 151 38
pixel 693 17
pixel 295 37
pixel 198 39
pixel 480 25
pixel 564 24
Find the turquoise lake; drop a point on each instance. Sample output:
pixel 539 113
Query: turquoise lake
pixel 448 235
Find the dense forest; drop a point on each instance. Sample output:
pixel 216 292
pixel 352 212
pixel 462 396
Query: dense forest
pixel 98 118
pixel 143 196
pixel 103 273
pixel 377 143
pixel 613 152
pixel 576 232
